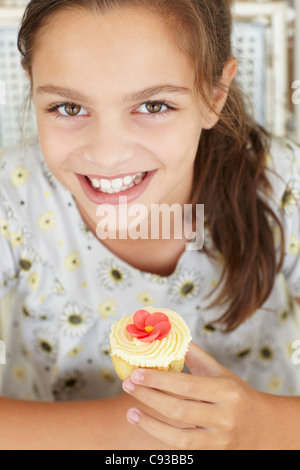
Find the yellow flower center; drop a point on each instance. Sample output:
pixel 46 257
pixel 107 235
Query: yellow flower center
pixel 149 328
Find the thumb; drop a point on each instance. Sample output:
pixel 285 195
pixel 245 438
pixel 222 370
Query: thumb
pixel 201 363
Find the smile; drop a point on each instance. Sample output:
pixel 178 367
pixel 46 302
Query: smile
pixel 108 191
pixel 117 185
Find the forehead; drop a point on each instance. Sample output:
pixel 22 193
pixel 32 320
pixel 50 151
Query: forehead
pixel 120 49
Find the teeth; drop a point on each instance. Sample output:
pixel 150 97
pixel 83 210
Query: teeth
pixel 105 184
pixel 96 183
pixel 117 185
pixel 137 179
pixel 127 180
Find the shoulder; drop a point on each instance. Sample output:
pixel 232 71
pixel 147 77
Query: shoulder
pixel 17 164
pixel 23 175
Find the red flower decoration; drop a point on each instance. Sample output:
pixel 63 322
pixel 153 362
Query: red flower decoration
pixel 149 326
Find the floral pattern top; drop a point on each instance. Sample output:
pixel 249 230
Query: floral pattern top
pixel 68 289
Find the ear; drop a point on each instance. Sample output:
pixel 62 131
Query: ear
pixel 220 94
pixel 27 74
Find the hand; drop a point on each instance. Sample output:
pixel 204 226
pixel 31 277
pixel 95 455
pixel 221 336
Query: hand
pixel 210 409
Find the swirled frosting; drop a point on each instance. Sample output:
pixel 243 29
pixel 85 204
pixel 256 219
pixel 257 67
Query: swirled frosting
pixel 157 353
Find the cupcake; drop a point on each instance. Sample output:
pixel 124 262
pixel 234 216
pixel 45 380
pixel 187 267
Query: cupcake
pixel 150 338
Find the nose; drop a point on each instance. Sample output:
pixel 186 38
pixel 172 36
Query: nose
pixel 109 145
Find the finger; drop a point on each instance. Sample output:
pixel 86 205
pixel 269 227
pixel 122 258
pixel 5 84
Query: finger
pixel 207 389
pixel 180 411
pixel 201 363
pixel 191 439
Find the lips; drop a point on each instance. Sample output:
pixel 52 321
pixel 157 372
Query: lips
pixel 116 185
pixel 97 196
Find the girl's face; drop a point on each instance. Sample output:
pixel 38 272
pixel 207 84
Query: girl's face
pixel 123 103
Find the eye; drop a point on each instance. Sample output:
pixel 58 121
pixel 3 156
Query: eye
pixel 67 110
pixel 71 110
pixel 155 107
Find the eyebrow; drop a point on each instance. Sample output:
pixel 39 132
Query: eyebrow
pixel 75 95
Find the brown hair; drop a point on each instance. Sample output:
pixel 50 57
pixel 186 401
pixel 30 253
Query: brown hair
pixel 230 162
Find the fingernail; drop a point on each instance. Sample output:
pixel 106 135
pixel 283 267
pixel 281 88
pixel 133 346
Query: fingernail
pixel 137 376
pixel 133 416
pixel 128 386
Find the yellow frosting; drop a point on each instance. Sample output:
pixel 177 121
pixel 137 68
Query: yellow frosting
pixel 157 353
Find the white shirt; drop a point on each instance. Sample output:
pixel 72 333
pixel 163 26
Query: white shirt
pixel 66 288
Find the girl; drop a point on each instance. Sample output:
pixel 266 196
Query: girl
pixel 137 98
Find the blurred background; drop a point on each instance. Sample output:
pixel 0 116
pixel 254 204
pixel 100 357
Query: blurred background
pixel 266 41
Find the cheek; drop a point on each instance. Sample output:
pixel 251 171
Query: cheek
pixel 56 143
pixel 176 146
pixel 55 135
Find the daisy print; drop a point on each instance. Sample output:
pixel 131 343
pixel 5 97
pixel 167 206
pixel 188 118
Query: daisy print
pixel 103 347
pixel 47 221
pixel 73 261
pixel 34 281
pixel 88 234
pixel 68 386
pixel 113 276
pixel 19 176
pixel 186 286
pixel 19 373
pixel 27 257
pixel 57 288
pixel 20 237
pixel 107 375
pixel 16 239
pixel 36 391
pixel 45 316
pixel 74 352
pixel 75 322
pixel 239 352
pixel 275 384
pixel 46 344
pixel 155 278
pixel 266 353
pixel 290 198
pixel 146 299
pixel 9 214
pixel 206 328
pixel 294 246
pixel 4 228
pixel 107 308
pixel 27 313
pixel 8 280
pixel 285 315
